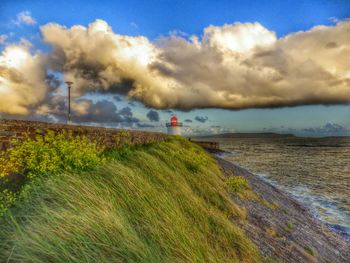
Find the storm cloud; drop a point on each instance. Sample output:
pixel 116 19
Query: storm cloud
pixel 153 115
pixel 201 119
pixel 87 111
pixel 102 112
pixel 234 66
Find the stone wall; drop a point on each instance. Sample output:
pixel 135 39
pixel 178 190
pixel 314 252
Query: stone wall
pixel 109 137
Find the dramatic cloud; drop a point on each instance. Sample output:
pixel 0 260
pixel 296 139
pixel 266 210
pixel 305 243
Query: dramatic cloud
pixel 153 115
pixel 201 118
pixel 106 112
pixel 26 18
pixel 96 59
pixel 236 66
pixel 22 80
pixel 244 65
pixel 88 111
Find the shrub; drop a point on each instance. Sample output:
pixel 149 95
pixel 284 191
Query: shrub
pixel 42 156
pixel 237 184
pixel 7 198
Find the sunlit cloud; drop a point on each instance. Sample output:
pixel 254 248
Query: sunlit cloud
pixel 234 66
pixel 22 80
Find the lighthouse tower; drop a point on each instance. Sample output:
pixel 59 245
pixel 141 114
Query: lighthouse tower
pixel 174 127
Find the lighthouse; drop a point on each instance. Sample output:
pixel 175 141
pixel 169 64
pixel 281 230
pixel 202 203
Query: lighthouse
pixel 174 127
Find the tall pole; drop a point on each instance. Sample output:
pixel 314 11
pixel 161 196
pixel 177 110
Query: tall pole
pixel 69 84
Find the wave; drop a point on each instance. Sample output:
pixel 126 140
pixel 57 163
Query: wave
pixel 322 207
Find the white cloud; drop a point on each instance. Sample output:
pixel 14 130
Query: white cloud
pixel 239 38
pixel 3 39
pixel 22 80
pixel 25 17
pixel 243 65
pixel 234 66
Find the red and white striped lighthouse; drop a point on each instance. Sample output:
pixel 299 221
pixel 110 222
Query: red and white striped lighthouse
pixel 174 127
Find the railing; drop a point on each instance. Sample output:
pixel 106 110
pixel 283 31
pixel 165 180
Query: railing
pixel 168 124
pixel 207 145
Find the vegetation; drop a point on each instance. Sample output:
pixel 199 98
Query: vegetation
pixel 43 156
pixel 272 232
pixel 237 184
pixel 272 206
pixel 310 250
pixel 165 202
pixel 290 226
pixel 123 138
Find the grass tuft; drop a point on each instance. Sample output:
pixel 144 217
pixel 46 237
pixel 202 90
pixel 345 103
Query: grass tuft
pixel 310 250
pixel 237 184
pixel 290 226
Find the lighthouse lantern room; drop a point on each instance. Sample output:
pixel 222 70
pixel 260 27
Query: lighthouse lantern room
pixel 174 127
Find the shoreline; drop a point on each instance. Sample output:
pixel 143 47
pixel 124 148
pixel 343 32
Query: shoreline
pixel 288 232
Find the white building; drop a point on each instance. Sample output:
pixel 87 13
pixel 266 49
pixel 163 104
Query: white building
pixel 174 127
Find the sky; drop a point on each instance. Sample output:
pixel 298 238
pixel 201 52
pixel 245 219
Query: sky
pixel 219 66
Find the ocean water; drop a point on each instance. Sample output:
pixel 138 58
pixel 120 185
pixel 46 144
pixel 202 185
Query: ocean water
pixel 316 171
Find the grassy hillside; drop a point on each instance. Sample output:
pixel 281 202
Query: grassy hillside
pixel 161 203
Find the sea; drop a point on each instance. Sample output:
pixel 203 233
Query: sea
pixel 315 171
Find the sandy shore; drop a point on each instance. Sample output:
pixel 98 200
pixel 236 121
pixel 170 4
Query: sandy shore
pixel 284 230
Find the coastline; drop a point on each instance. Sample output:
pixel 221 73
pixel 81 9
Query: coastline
pixel 286 230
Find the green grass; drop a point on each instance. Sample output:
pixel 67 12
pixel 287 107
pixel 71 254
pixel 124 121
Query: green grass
pixel 310 250
pixel 240 187
pixel 237 184
pixel 48 154
pixel 162 203
pixel 290 226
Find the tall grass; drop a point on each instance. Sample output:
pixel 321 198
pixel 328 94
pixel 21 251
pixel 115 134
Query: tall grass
pixel 161 203
pixel 46 155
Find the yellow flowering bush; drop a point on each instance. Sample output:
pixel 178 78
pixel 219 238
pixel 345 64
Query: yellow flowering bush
pixel 46 155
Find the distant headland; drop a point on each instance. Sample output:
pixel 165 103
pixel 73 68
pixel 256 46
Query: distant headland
pixel 248 135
